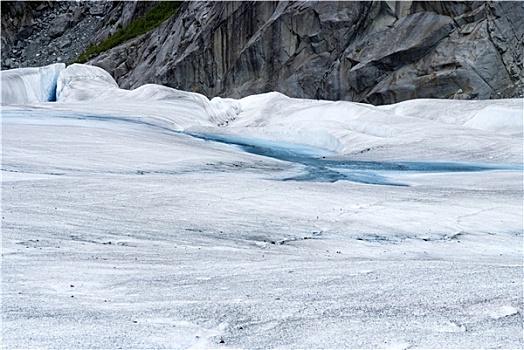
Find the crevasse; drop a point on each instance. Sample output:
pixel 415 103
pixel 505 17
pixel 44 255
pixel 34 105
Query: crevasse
pixel 30 85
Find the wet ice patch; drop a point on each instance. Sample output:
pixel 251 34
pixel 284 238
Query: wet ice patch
pixel 274 149
pixel 503 311
pixel 319 168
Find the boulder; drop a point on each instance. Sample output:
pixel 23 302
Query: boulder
pixel 78 14
pixel 97 9
pixel 60 25
pixel 24 33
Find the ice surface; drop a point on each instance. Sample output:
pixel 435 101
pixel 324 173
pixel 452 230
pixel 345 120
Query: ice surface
pixel 121 229
pixel 411 130
pixel 82 83
pixel 498 119
pixel 30 85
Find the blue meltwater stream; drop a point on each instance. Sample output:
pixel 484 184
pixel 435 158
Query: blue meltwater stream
pixel 318 166
pixel 320 169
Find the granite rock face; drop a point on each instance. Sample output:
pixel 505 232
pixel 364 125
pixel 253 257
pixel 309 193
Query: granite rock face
pixel 480 59
pixel 378 52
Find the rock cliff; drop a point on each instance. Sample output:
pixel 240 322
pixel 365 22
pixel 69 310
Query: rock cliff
pixel 376 52
pixel 38 33
pixel 370 51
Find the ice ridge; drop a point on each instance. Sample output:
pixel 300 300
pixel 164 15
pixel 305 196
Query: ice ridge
pixel 30 85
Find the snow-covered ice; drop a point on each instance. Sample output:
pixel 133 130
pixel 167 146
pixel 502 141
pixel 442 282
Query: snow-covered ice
pixel 30 85
pixel 157 218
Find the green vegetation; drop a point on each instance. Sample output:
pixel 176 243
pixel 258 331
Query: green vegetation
pixel 150 20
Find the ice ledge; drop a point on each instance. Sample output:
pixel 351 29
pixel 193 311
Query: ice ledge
pixel 85 83
pixel 30 85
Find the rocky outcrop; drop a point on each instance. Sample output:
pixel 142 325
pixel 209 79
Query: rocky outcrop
pixel 371 51
pixel 468 63
pixel 377 52
pixel 44 32
pixel 50 31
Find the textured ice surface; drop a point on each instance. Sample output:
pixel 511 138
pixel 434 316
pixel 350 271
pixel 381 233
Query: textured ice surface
pixel 122 230
pixel 79 83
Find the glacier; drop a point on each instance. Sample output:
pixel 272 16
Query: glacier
pixel 30 85
pixel 159 218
